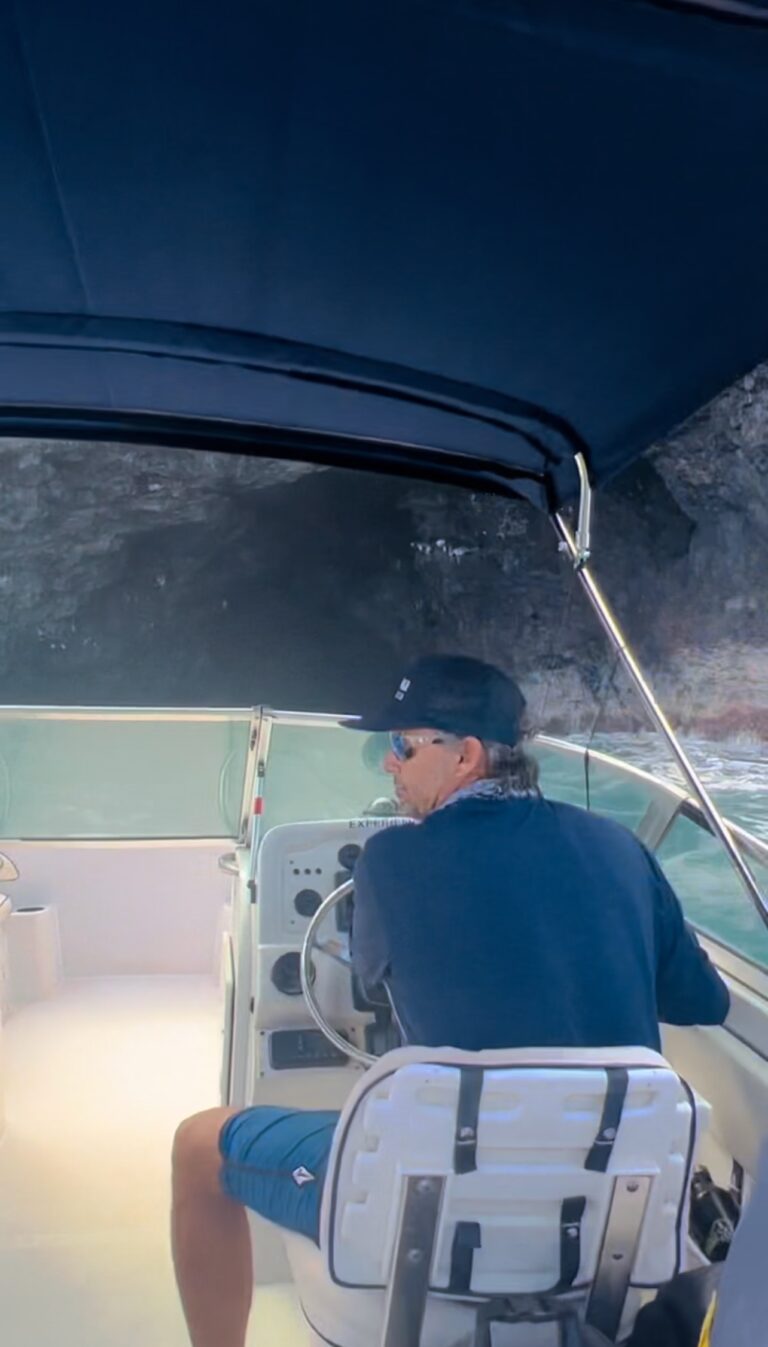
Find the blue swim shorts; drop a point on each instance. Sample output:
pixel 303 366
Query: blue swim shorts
pixel 274 1161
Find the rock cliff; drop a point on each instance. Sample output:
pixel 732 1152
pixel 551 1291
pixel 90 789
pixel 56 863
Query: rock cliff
pixel 131 575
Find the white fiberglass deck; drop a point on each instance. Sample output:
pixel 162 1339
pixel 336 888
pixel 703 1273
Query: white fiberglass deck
pixel 96 1081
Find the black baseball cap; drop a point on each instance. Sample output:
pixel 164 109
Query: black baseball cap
pixel 455 693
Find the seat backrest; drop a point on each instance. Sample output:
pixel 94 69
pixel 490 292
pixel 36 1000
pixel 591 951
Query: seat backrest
pixel 548 1163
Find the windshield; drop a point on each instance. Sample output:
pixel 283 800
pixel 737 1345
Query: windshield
pixel 322 771
pixel 120 774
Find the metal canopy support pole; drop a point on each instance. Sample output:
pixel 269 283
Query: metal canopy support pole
pixel 578 548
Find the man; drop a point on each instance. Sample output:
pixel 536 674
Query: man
pixel 498 919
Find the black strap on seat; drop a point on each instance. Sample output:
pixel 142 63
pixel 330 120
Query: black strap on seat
pixel 613 1104
pixel 571 1215
pixel 467 1115
pixel 466 1239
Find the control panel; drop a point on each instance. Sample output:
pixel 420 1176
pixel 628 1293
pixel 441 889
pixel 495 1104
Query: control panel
pixel 299 864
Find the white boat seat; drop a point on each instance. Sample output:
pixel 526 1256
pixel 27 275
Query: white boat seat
pixel 544 1184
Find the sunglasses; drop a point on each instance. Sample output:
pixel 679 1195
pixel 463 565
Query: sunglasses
pixel 404 745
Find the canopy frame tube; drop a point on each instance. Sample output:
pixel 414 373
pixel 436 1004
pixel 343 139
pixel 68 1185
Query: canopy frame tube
pixel 577 546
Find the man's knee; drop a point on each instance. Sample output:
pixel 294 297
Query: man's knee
pixel 196 1158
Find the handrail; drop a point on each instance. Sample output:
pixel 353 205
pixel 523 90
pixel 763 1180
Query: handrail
pixel 619 642
pixel 748 842
pixel 568 746
pixel 126 713
pixel 687 805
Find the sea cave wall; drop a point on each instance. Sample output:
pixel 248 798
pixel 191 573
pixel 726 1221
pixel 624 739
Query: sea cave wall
pixel 132 575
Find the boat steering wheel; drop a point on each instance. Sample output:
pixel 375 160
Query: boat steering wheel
pixel 333 949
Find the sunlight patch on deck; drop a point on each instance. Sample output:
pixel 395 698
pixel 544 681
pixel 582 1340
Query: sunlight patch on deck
pixel 96 1082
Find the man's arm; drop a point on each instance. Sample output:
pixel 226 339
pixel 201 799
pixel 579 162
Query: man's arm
pixel 370 949
pixel 689 990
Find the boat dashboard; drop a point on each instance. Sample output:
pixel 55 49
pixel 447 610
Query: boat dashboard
pixel 298 866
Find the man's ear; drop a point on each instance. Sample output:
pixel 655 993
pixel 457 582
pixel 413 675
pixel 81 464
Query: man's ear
pixel 473 753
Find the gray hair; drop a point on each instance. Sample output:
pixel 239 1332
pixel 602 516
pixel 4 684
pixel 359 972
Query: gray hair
pixel 509 764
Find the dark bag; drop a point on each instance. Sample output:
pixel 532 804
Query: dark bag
pixel 676 1316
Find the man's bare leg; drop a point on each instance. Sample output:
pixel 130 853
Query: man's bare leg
pixel 210 1237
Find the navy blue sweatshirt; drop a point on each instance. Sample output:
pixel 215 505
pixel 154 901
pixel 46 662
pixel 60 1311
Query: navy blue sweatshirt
pixel 527 923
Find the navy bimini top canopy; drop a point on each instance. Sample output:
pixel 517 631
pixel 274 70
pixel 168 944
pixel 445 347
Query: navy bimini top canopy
pixel 460 236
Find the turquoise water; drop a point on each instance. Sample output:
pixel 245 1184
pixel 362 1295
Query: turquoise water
pixel 696 864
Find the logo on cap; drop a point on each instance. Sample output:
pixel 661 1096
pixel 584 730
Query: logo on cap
pixel 301 1176
pixel 403 688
